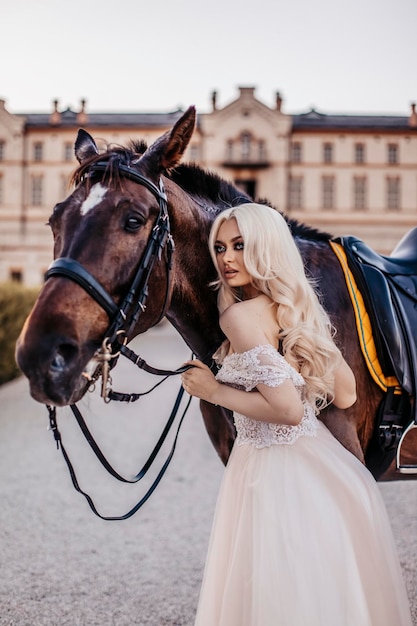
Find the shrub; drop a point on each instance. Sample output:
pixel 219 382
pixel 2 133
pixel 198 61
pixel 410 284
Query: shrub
pixel 16 302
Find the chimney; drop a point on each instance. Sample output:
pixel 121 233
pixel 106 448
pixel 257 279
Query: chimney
pixel 82 117
pixel 55 117
pixel 278 101
pixel 214 100
pixel 247 92
pixel 413 117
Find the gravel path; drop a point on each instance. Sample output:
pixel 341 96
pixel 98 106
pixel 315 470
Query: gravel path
pixel 62 566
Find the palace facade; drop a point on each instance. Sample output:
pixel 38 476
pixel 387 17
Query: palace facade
pixel 345 174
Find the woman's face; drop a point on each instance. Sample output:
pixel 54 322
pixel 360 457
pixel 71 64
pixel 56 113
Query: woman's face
pixel 229 253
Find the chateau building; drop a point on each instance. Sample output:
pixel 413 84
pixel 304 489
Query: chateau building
pixel 345 174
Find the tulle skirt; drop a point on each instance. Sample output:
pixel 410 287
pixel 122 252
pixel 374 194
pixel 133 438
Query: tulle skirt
pixel 301 537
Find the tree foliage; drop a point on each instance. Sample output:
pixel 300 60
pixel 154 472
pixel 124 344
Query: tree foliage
pixel 16 302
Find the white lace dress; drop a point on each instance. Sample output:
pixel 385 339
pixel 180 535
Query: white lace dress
pixel 300 534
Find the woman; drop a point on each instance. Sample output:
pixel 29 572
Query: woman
pixel 300 535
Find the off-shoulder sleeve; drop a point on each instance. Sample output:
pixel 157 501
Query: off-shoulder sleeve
pixel 259 365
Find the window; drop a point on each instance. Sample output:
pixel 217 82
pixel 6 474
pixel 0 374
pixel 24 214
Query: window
pixel 328 192
pixel 328 152
pixel 392 153
pixel 229 150
pixel 68 151
pixel 262 150
pixel 359 153
pixel 359 193
pixel 245 146
pixel 38 151
pixel 296 155
pixel 393 194
pixel 295 196
pixel 37 184
pixel 2 149
pixel 64 186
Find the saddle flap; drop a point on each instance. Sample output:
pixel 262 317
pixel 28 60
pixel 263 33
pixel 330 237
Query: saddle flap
pixel 383 308
pixel 389 289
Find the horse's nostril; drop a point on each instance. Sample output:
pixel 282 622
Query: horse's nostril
pixel 58 363
pixel 63 357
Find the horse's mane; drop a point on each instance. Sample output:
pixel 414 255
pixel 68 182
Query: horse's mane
pixel 215 192
pixel 197 181
pixel 201 183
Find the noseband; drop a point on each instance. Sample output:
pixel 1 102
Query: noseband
pixel 123 318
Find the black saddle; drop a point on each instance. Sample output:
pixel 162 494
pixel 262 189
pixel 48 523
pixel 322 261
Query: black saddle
pixel 388 285
pixel 389 288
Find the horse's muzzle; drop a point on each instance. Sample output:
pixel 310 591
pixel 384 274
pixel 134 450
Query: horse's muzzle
pixel 54 370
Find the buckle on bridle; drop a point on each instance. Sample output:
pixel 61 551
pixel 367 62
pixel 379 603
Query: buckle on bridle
pixel 104 356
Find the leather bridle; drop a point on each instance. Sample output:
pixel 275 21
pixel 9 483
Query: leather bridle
pixel 123 319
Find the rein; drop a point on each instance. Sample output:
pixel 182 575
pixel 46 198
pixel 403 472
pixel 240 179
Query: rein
pixel 122 321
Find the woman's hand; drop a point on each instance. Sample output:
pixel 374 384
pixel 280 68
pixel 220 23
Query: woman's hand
pixel 200 381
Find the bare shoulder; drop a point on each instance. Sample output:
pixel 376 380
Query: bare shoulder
pixel 250 323
pixel 241 310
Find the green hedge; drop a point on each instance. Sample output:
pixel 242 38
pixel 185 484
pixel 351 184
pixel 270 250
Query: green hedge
pixel 16 302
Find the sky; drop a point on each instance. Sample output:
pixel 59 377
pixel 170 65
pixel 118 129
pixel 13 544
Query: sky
pixel 160 55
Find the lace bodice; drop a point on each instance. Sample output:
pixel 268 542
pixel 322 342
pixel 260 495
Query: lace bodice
pixel 263 364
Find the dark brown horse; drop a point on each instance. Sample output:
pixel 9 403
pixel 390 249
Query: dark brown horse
pixel 104 226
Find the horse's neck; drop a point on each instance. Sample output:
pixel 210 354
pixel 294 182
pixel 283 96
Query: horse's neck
pixel 193 308
pixel 203 340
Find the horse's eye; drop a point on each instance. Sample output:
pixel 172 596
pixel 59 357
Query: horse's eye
pixel 133 223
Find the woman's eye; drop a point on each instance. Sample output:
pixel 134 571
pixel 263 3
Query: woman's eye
pixel 239 245
pixel 219 249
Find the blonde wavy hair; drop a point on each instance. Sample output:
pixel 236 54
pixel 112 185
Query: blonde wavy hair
pixel 272 259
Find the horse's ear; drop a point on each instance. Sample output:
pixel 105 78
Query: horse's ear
pixel 166 152
pixel 85 146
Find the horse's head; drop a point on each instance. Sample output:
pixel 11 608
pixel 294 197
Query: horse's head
pixel 112 231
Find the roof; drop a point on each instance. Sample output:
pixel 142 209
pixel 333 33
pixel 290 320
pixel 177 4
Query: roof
pixel 69 119
pixel 314 120
pixel 310 121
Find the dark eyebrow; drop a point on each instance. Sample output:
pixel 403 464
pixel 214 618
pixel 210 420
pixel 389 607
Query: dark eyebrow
pixel 232 240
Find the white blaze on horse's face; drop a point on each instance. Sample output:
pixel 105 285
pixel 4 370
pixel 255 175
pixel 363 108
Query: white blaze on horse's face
pixel 96 195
